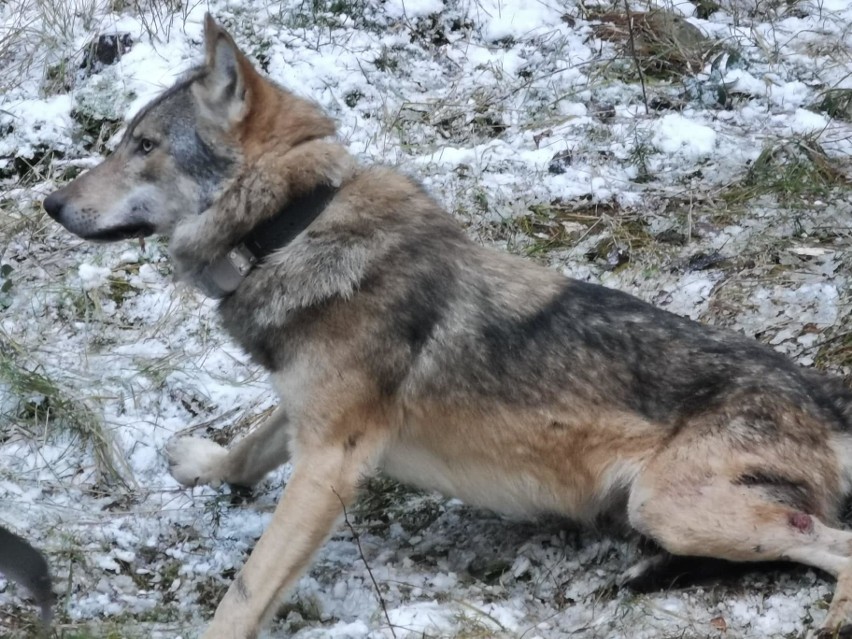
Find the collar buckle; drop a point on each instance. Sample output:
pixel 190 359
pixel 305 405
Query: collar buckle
pixel 242 259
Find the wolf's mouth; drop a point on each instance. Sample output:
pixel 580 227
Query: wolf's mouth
pixel 123 232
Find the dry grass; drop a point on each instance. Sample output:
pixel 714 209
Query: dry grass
pixel 796 171
pixel 836 103
pixel 663 43
pixel 47 407
pixel 37 31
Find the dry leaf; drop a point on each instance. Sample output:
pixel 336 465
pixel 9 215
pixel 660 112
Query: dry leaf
pixel 719 623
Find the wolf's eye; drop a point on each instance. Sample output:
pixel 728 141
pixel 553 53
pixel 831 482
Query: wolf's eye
pixel 146 145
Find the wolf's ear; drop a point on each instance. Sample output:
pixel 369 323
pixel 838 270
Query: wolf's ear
pixel 221 91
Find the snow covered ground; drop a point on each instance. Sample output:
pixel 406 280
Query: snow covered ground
pixel 716 190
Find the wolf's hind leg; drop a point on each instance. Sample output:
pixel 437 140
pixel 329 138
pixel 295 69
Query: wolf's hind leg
pixel 689 510
pixel 194 461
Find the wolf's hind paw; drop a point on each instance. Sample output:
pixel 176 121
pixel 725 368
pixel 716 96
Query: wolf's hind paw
pixel 194 461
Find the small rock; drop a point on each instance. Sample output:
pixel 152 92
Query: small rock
pixel 703 261
pixel 105 50
pixel 671 236
pixel 559 163
pixel 605 112
pixel 617 256
pixel 538 137
pixel 663 103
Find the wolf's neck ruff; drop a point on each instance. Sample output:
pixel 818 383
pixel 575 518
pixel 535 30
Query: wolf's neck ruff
pixel 224 275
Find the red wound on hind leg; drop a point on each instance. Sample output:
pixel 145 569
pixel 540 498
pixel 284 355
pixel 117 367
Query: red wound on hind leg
pixel 801 522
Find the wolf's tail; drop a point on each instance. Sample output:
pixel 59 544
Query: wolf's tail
pixel 22 563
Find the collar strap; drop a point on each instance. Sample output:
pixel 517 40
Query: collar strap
pixel 225 274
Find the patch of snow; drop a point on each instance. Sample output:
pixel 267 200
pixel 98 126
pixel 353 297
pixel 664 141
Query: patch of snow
pixel 411 9
pixel 516 18
pixel 676 134
pixel 92 276
pixel 805 122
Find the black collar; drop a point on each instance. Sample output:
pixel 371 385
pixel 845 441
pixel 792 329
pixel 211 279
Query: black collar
pixel 224 275
pixel 278 231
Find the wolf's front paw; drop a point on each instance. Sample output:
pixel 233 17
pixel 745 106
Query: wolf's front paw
pixel 194 461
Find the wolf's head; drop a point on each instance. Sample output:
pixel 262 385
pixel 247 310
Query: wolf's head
pixel 177 153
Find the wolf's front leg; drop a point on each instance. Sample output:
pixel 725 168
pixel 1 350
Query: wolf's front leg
pixel 325 479
pixel 194 461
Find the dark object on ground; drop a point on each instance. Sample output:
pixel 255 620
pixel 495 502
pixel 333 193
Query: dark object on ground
pixel 106 50
pixel 682 572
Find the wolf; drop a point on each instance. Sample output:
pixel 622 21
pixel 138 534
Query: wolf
pixel 398 345
pixel 22 563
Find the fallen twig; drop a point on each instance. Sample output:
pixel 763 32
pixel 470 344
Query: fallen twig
pixel 367 565
pixel 635 57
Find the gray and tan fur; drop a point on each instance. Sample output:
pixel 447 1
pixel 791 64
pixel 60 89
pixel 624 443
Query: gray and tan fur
pixel 397 345
pixel 25 565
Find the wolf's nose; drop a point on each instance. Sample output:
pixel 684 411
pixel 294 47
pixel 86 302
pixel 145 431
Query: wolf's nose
pixel 53 204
